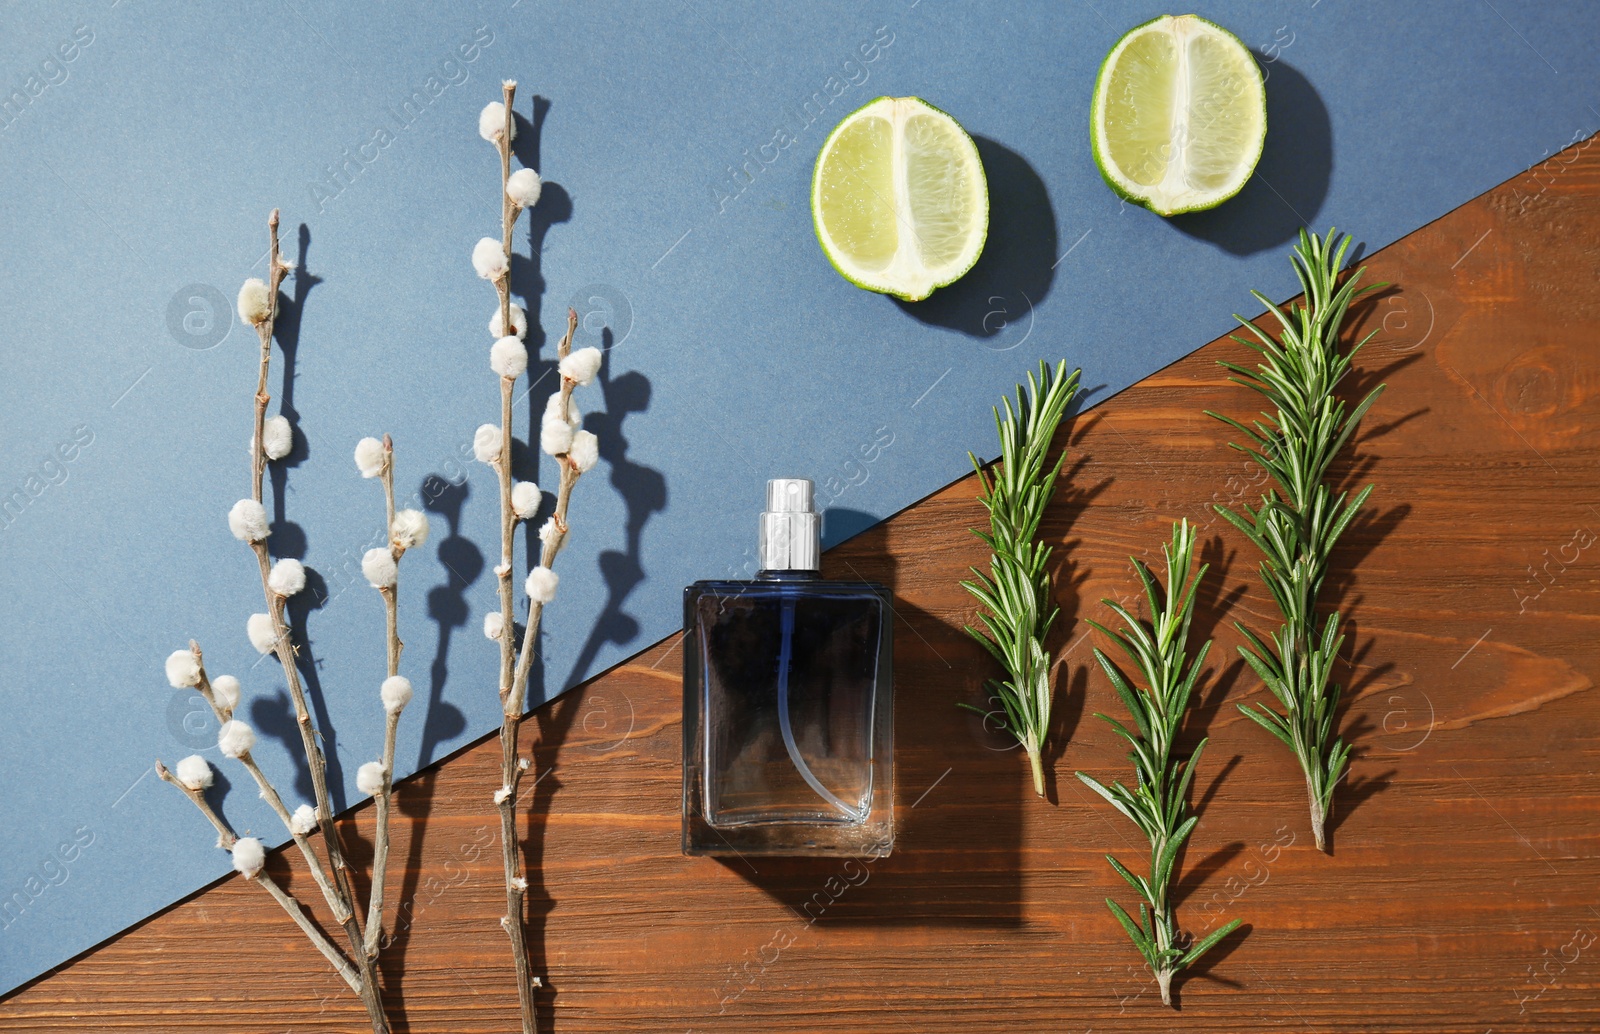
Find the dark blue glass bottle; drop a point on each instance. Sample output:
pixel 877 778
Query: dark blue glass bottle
pixel 788 702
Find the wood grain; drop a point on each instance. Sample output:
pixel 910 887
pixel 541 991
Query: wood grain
pixel 1461 894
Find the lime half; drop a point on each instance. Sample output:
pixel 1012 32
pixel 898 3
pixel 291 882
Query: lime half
pixel 899 199
pixel 1179 115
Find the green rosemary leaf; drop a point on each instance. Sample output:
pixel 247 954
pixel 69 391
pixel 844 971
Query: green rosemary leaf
pixel 1135 932
pixel 1016 593
pixel 1158 650
pixel 1208 942
pixel 1136 882
pixel 1129 698
pixel 1309 425
pixel 1268 720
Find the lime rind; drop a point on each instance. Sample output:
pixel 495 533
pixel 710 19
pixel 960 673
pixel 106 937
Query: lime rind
pixel 1104 163
pixel 946 276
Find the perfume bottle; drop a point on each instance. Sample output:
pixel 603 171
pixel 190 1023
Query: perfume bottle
pixel 788 702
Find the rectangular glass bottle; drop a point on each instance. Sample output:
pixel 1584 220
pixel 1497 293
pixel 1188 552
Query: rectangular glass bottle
pixel 788 702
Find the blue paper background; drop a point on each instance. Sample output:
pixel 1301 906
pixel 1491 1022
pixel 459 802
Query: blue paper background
pixel 136 185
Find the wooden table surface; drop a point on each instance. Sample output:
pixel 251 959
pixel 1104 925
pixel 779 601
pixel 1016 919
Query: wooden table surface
pixel 1463 892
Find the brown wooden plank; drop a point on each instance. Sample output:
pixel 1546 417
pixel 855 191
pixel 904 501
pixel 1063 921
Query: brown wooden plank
pixel 1462 892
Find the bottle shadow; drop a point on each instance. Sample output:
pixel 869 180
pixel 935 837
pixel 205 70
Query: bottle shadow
pixel 942 813
pixel 1291 178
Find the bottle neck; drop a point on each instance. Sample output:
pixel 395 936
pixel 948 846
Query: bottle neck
pixel 788 576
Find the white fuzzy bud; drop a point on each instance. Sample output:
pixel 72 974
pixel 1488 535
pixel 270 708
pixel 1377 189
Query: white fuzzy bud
pixel 263 636
pixel 523 764
pixel 549 531
pixel 489 258
pixel 235 738
pixel 255 301
pixel 288 577
pixel 370 457
pixel 486 443
pixel 379 567
pixel 519 322
pixel 410 529
pixel 525 499
pixel 555 435
pixel 249 856
pixel 303 821
pixel 581 366
pixel 277 437
pixel 552 407
pixel 194 772
pixel 519 883
pixel 502 794
pixel 492 122
pixel 396 693
pixel 370 777
pixel 541 584
pixel 225 691
pixel 509 357
pixel 248 521
pixel 183 668
pixel 585 450
pixel 494 625
pixel 523 188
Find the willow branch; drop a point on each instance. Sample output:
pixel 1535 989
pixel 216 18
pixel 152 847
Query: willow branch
pixel 553 544
pixel 342 882
pixel 270 794
pixel 225 840
pixel 393 645
pixel 511 765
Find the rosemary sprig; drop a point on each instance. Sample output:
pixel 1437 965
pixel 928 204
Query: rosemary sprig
pixel 1158 804
pixel 1016 591
pixel 1299 521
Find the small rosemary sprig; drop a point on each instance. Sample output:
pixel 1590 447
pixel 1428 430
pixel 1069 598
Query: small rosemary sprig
pixel 1016 591
pixel 1158 804
pixel 1299 521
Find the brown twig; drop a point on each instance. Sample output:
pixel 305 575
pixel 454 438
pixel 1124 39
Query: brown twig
pixel 516 664
pixel 343 885
pixel 225 840
pixel 552 545
pixel 505 798
pixel 269 793
pixel 391 604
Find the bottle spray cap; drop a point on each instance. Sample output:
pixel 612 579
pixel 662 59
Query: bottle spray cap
pixel 791 528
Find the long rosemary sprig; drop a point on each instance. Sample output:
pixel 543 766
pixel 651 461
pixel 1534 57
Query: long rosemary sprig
pixel 1016 591
pixel 1158 803
pixel 1299 521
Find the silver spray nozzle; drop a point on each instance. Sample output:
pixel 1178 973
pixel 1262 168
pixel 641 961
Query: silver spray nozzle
pixel 791 528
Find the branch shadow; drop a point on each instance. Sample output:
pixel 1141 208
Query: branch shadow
pixel 555 722
pixel 1073 497
pixel 644 493
pixel 1206 964
pixel 274 715
pixel 447 608
pixel 528 283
